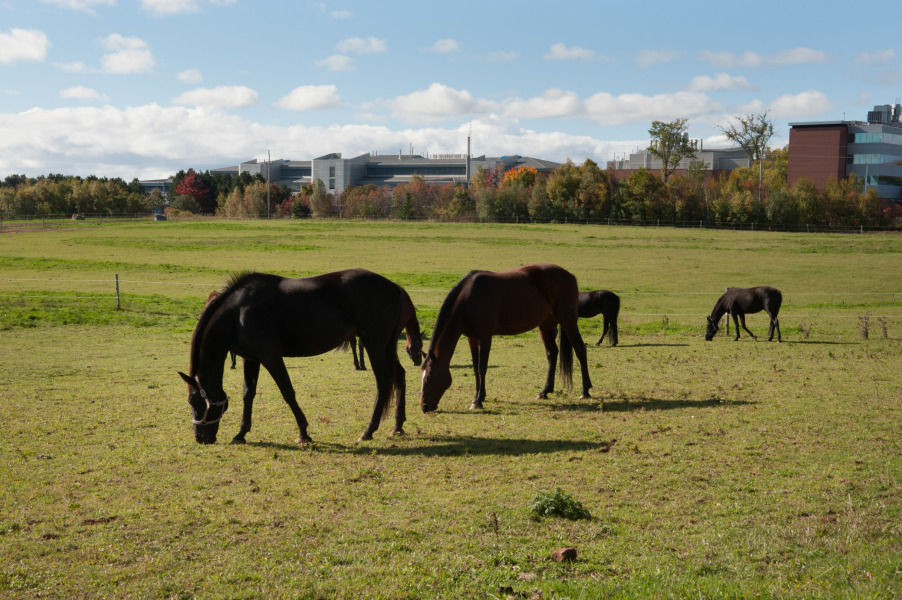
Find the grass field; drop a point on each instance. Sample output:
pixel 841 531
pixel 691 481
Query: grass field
pixel 720 469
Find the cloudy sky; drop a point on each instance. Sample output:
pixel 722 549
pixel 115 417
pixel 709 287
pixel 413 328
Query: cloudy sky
pixel 143 88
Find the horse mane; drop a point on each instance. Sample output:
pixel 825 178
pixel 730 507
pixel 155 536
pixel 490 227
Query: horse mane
pixel 444 313
pixel 214 301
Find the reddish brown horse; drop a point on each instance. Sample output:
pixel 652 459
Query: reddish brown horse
pixel 604 302
pixel 411 331
pixel 741 301
pixel 484 304
pixel 264 317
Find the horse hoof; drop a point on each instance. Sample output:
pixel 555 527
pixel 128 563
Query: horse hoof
pixel 304 440
pixel 542 396
pixel 398 431
pixel 586 396
pixel 476 406
pixel 238 440
pixel 364 437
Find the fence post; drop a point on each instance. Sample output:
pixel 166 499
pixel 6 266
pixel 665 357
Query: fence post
pixel 118 305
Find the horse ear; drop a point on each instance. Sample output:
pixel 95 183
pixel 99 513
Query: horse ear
pixel 189 380
pixel 709 319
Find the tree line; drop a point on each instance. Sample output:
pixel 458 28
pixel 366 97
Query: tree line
pixel 756 194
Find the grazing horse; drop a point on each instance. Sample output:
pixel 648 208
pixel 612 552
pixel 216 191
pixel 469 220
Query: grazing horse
pixel 604 302
pixel 411 331
pixel 741 301
pixel 483 304
pixel 264 317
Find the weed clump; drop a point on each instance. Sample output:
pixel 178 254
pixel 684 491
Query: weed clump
pixel 557 504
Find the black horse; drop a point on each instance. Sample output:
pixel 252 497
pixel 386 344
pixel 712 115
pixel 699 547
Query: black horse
pixel 263 318
pixel 607 303
pixel 411 330
pixel 741 301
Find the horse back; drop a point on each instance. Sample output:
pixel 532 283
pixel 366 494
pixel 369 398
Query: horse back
pixel 516 301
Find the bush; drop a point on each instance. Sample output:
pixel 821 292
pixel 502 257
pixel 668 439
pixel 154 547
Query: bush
pixel 557 504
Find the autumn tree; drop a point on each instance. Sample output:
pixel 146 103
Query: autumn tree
pixel 752 133
pixel 670 144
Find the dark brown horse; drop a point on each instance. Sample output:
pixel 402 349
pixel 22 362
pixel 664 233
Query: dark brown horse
pixel 264 317
pixel 741 301
pixel 604 302
pixel 484 304
pixel 411 331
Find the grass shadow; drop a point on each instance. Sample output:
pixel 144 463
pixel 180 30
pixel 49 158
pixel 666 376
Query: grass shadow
pixel 644 404
pixel 432 445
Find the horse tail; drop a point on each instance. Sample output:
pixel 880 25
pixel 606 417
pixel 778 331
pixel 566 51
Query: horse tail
pixel 566 360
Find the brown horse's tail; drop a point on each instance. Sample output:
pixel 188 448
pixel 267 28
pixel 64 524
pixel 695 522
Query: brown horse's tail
pixel 566 360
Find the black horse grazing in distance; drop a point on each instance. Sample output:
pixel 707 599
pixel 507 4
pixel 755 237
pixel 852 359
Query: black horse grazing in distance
pixel 604 302
pixel 411 331
pixel 264 317
pixel 484 304
pixel 741 301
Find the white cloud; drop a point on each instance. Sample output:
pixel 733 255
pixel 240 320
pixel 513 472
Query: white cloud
pixel 126 55
pixel 72 67
pixel 161 8
pixel 552 103
pixel 152 141
pixel 311 97
pixel 337 62
pixel 437 103
pixel 81 92
pixel 647 58
pixel 82 5
pixel 370 45
pixel 502 56
pixel 562 52
pixel 879 57
pixel 23 44
pixel 794 56
pixel 190 76
pixel 445 46
pixel 227 96
pixel 341 14
pixel 805 105
pixel 721 81
pixel 606 109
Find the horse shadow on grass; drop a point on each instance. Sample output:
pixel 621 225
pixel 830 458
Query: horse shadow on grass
pixel 645 404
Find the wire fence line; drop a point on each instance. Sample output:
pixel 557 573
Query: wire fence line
pixel 662 314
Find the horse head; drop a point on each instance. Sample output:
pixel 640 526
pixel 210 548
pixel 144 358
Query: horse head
pixel 205 411
pixel 711 329
pixel 415 349
pixel 436 381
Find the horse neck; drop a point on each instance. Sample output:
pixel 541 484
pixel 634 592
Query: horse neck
pixel 211 351
pixel 719 309
pixel 444 341
pixel 412 330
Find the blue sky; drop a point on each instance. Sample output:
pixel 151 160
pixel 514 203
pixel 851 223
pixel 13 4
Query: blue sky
pixel 145 88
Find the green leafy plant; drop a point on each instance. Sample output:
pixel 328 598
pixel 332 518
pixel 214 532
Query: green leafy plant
pixel 558 504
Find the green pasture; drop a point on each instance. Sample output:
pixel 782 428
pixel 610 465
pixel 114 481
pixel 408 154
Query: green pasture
pixel 722 469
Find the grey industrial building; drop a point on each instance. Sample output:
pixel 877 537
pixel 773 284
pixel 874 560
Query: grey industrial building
pixel 338 173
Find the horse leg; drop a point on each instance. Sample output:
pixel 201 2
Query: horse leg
pixel 400 396
pixel 251 375
pixel 576 341
pixel 384 369
pixel 774 325
pixel 279 373
pixel 742 317
pixel 548 332
pixel 736 323
pixel 233 359
pixel 604 331
pixel 479 352
pixel 360 366
pixel 614 331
